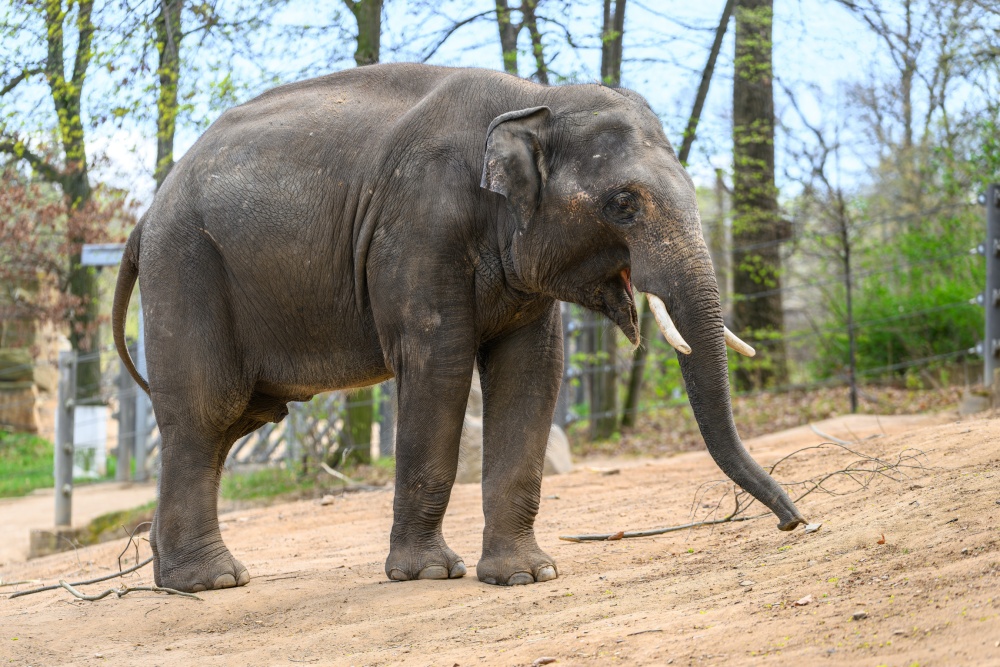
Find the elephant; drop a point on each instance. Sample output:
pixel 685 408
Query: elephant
pixel 413 221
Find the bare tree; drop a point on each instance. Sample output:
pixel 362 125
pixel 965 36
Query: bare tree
pixel 646 327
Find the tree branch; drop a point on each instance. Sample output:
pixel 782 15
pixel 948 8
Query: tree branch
pixel 706 80
pixel 13 83
pixel 42 166
pixel 450 31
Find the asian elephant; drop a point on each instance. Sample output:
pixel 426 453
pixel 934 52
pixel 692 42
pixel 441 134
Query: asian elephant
pixel 412 221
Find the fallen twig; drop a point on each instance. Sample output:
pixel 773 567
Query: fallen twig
pixel 828 436
pixel 643 632
pixel 124 590
pixel 81 583
pixel 658 531
pixel 351 485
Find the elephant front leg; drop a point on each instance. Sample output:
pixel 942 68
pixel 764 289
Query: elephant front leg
pixel 521 375
pixel 432 400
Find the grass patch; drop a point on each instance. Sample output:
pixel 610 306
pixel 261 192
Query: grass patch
pixel 266 483
pixel 25 464
pixel 109 526
pixel 279 483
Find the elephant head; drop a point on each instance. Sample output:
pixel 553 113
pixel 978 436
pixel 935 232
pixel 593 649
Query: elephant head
pixel 598 204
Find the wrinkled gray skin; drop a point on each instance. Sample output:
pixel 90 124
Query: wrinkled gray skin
pixel 408 221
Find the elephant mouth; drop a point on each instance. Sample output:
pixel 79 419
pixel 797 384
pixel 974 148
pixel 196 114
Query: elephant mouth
pixel 619 305
pixel 626 275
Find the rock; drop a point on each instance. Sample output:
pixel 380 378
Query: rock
pixel 18 402
pixel 16 365
pixel 558 459
pixel 470 451
pixel 813 527
pixel 747 582
pixel 802 602
pixel 325 500
pixel 544 660
pixel 860 615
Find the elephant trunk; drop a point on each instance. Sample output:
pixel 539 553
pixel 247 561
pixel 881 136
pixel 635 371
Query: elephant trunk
pixel 691 295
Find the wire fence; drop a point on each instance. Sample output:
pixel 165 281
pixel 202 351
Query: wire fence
pixel 114 433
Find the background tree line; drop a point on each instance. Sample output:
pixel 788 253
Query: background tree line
pixel 837 202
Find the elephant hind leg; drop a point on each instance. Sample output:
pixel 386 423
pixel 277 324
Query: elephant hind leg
pixel 187 544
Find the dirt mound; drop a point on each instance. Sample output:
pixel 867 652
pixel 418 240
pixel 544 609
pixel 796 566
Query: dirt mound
pixel 927 594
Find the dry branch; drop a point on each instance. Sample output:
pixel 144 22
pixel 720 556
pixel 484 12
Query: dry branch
pixel 121 572
pixel 81 583
pixel 862 471
pixel 124 590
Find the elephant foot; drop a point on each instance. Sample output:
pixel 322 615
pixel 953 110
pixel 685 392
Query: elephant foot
pixel 437 562
pixel 515 566
pixel 207 568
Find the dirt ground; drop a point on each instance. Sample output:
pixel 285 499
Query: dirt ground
pixel 712 596
pixel 18 516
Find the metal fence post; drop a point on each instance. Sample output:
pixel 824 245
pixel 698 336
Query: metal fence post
pixel 126 424
pixel 561 415
pixel 991 353
pixel 292 435
pixel 387 419
pixel 142 405
pixel 63 463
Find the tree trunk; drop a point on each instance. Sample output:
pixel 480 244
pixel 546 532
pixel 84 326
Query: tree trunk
pixel 717 241
pixel 508 37
pixel 603 396
pixel 541 70
pixel 75 181
pixel 612 33
pixel 167 26
pixel 757 228
pixel 368 14
pixel 361 405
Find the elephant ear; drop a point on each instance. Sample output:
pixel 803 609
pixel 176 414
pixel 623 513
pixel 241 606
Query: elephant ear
pixel 515 165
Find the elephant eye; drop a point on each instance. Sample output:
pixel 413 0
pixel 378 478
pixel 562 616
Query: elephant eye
pixel 622 208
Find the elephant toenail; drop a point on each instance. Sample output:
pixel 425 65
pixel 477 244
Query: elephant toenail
pixel 457 570
pixel 244 578
pixel 398 575
pixel 547 573
pixel 433 572
pixel 520 579
pixel 224 581
pixel 490 580
pixel 198 588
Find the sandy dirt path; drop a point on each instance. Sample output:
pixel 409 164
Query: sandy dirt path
pixel 19 516
pixel 722 596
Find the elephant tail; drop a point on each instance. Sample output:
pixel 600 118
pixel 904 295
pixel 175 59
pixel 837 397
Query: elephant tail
pixel 128 274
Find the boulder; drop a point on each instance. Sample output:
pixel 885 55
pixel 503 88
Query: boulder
pixel 470 454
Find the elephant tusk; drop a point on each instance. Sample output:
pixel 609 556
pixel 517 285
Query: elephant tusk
pixel 733 341
pixel 667 327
